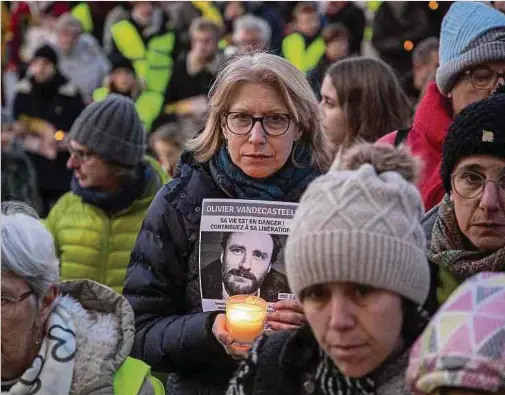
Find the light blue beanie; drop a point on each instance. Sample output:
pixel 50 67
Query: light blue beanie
pixel 471 34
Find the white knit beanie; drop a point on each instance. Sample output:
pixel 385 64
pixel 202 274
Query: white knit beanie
pixel 362 224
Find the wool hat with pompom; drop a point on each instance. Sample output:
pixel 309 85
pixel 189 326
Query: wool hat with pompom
pixel 464 344
pixel 361 223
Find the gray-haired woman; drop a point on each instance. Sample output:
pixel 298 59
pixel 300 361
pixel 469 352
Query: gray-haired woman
pixel 262 141
pixel 60 339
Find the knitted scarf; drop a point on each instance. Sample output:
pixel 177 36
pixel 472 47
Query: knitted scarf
pixel 114 202
pixel 449 248
pixel 287 184
pixel 52 369
pixel 332 382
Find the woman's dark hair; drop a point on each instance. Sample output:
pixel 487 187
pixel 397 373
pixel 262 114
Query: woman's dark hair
pixel 371 98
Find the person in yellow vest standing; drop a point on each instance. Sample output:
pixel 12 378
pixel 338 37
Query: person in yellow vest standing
pixel 305 47
pixel 92 15
pixel 95 224
pixel 152 48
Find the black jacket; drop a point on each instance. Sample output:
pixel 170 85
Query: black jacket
pixel 162 284
pixel 59 102
pixel 212 288
pixel 390 33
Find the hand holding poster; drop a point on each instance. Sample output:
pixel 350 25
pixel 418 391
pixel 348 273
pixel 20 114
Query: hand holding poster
pixel 241 244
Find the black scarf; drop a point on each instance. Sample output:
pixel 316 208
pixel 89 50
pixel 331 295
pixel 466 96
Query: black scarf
pixel 119 200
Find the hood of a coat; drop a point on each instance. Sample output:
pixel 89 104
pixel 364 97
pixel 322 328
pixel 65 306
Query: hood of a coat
pixel 105 330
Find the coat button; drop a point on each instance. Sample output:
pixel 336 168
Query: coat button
pixel 309 386
pixel 197 209
pixel 183 195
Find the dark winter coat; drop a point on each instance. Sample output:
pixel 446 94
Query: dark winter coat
pixel 162 284
pixel 58 102
pixel 391 32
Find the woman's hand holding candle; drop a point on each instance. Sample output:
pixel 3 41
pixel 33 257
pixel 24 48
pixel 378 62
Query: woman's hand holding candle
pixel 243 323
pixel 287 314
pixel 226 339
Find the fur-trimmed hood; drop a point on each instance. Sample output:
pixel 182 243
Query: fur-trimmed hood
pixel 105 330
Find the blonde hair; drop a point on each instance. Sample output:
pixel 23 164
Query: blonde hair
pixel 274 71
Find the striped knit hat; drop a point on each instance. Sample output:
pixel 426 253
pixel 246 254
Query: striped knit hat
pixel 464 344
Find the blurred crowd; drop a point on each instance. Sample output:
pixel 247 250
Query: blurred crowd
pixel 57 57
pixel 384 121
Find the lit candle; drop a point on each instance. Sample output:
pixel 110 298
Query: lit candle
pixel 245 317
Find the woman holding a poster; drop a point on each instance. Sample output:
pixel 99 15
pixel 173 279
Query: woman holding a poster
pixel 263 142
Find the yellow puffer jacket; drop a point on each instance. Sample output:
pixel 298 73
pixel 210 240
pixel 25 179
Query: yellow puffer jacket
pixel 92 245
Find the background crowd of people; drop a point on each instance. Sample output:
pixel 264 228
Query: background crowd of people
pixel 383 120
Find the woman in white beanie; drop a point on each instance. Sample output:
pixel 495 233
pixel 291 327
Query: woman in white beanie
pixel 356 259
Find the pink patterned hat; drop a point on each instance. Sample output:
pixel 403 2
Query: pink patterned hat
pixel 464 344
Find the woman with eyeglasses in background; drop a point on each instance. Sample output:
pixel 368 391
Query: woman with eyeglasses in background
pixel 262 141
pixel 466 231
pixel 472 64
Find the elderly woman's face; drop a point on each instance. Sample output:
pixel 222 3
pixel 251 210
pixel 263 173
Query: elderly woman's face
pixel 256 153
pixel 19 325
pixel 358 327
pixel 476 86
pixel 479 207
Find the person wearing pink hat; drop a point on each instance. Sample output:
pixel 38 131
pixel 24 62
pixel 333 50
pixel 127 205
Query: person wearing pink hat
pixel 462 350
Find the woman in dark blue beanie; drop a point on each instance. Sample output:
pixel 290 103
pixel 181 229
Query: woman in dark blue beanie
pixel 467 230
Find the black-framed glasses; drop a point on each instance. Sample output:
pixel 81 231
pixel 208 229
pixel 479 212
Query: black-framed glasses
pixel 8 300
pixel 81 156
pixel 483 78
pixel 242 123
pixel 469 184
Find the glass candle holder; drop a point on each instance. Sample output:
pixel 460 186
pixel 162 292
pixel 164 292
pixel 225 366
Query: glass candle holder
pixel 245 317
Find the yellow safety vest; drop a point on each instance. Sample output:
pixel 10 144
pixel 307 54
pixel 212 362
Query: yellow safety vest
pixel 305 59
pixel 209 11
pixel 129 378
pixel 154 64
pixel 82 13
pixel 100 94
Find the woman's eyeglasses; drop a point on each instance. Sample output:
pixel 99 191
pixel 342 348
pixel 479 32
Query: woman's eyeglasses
pixel 484 78
pixel 10 300
pixel 81 156
pixel 469 184
pixel 242 123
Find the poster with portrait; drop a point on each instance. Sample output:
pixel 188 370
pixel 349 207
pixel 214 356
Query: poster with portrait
pixel 241 250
